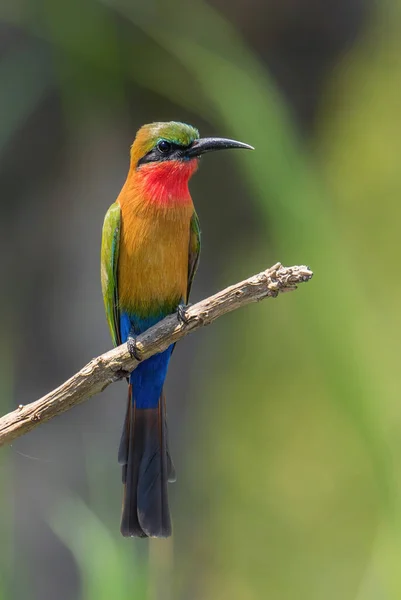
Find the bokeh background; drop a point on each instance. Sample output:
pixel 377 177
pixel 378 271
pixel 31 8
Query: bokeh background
pixel 285 417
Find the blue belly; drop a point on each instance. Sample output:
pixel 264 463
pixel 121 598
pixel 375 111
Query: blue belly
pixel 148 378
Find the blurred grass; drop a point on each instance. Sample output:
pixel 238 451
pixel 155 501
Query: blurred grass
pixel 25 82
pixel 298 457
pixel 108 567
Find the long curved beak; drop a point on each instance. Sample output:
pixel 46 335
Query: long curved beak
pixel 203 145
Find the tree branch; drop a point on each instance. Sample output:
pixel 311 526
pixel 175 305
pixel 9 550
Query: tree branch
pixel 115 364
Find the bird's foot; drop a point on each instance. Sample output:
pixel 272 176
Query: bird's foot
pixel 133 348
pixel 182 314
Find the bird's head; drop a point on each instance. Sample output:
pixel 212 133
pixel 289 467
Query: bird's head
pixel 161 142
pixel 165 155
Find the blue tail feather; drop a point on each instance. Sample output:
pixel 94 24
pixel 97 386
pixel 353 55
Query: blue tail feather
pixel 144 454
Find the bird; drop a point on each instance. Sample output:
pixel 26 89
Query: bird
pixel 149 255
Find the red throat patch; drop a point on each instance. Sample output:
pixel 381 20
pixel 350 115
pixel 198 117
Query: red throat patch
pixel 166 183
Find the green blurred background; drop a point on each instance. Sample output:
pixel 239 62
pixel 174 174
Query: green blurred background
pixel 285 417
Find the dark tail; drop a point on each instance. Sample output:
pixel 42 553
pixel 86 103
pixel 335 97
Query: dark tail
pixel 147 467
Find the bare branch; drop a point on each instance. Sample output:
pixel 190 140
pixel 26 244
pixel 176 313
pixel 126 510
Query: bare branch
pixel 113 365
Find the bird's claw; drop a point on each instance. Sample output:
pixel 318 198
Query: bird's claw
pixel 182 314
pixel 133 348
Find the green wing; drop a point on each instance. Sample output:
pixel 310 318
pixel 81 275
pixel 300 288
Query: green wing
pixel 194 251
pixel 109 263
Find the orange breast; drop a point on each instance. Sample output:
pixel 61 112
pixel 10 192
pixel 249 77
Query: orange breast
pixel 153 257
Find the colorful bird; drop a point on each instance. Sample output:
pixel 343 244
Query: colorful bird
pixel 150 252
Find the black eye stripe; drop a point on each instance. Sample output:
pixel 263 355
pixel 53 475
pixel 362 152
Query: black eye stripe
pixel 166 146
pixel 164 150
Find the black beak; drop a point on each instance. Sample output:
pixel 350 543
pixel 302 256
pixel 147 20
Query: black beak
pixel 203 145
